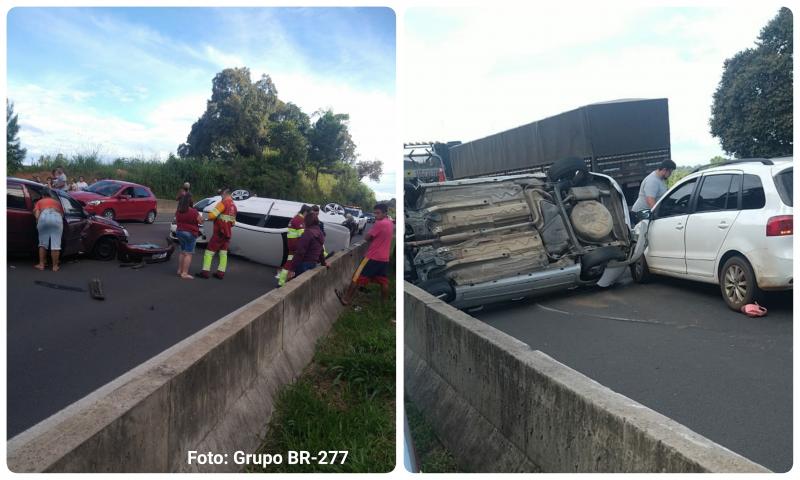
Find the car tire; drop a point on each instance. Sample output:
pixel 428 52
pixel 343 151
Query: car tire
pixel 572 169
pixel 593 264
pixel 439 288
pixel 105 248
pixel 151 217
pixel 737 283
pixel 109 214
pixel 640 272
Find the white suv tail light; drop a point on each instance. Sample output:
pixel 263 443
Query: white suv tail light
pixel 780 226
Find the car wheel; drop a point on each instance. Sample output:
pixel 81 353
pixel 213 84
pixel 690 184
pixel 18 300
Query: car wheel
pixel 593 264
pixel 639 271
pixel 737 283
pixel 151 217
pixel 439 288
pixel 108 213
pixel 105 249
pixel 572 169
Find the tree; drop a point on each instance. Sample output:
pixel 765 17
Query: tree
pixel 372 169
pixel 751 112
pixel 15 154
pixel 330 144
pixel 236 120
pixel 717 160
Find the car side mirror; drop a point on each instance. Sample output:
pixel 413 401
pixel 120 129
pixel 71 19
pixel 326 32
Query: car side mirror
pixel 645 215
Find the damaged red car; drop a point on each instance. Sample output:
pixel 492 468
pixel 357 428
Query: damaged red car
pixel 100 237
pixel 83 233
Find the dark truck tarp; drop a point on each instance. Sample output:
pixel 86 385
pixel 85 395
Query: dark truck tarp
pixel 615 129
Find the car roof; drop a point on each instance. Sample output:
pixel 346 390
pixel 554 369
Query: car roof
pixel 122 183
pixel 24 181
pixel 749 165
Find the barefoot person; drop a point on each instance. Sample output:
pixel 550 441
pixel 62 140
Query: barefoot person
pixel 188 221
pixel 50 225
pixel 375 265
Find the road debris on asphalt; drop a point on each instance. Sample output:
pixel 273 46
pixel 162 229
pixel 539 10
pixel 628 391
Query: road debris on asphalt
pixel 754 310
pixel 58 286
pixel 96 289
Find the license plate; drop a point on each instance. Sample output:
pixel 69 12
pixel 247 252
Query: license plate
pixel 159 256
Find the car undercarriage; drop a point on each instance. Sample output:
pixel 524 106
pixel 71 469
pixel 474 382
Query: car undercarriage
pixel 490 239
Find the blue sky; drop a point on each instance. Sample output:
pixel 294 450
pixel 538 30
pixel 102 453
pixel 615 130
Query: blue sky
pixel 501 67
pixel 131 81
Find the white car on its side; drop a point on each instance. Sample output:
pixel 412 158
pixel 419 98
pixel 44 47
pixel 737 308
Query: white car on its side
pixel 261 226
pixel 730 225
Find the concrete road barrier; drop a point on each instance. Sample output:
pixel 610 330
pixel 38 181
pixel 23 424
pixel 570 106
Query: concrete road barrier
pixel 212 392
pixel 500 406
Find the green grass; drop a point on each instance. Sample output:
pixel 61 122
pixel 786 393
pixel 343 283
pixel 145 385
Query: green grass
pixel 344 400
pixel 431 454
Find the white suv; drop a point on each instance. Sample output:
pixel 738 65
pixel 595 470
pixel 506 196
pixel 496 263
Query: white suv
pixel 730 224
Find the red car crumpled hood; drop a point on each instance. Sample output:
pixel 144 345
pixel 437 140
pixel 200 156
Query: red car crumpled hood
pixel 85 197
pixel 104 221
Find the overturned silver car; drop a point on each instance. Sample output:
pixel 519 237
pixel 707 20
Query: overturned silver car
pixel 478 241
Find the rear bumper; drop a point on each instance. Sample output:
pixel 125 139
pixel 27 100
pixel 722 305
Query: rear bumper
pixel 773 267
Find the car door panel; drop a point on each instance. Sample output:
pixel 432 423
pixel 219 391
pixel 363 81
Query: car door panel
pixel 665 244
pixel 22 235
pixel 716 209
pixel 123 205
pixel 666 236
pixel 74 225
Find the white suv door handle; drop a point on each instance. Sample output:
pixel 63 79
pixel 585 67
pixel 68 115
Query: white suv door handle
pixel 679 226
pixel 723 226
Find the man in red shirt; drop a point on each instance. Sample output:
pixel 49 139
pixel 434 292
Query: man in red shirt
pixel 375 265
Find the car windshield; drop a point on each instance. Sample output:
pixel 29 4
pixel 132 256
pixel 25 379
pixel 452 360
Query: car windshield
pixel 352 211
pixel 105 189
pixel 785 185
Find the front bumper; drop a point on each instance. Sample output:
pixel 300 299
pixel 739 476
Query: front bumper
pixel 145 252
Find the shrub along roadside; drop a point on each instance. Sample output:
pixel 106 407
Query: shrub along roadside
pixel 344 400
pixel 264 177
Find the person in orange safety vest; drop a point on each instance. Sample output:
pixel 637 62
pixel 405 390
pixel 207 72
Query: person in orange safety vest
pixel 224 216
pixel 293 234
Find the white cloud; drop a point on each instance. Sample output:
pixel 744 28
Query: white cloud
pixel 497 69
pixel 372 113
pixel 53 121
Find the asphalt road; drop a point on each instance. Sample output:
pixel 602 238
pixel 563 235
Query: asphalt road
pixel 675 347
pixel 63 345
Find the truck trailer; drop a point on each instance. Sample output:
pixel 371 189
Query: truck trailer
pixel 624 139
